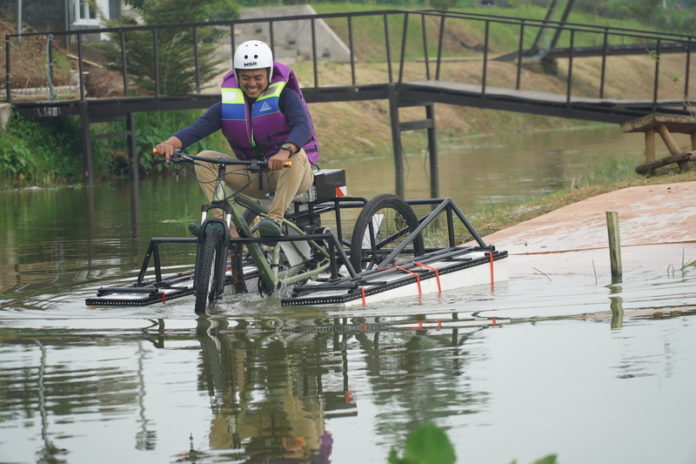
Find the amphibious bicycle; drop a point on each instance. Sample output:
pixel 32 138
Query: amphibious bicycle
pixel 334 249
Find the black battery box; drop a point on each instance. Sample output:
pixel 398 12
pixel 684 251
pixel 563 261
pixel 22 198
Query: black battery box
pixel 330 183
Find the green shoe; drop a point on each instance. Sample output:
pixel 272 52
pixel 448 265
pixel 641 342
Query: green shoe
pixel 269 228
pixel 195 228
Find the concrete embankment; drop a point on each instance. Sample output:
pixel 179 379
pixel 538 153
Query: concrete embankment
pixel 657 229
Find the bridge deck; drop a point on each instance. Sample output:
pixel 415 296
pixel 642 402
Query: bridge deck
pixel 432 91
pixel 538 102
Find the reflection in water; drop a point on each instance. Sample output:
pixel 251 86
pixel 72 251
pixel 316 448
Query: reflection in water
pixel 146 437
pixel 272 391
pixel 239 390
pixel 616 305
pixel 49 452
pixel 265 397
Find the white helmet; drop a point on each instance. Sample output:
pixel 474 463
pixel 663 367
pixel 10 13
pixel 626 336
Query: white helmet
pixel 253 54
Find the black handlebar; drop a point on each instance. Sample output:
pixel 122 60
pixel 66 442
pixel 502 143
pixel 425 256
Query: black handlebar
pixel 254 165
pixel 179 156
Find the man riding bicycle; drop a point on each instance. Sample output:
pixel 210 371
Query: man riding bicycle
pixel 263 115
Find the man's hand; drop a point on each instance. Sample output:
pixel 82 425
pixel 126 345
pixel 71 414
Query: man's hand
pixel 166 148
pixel 278 160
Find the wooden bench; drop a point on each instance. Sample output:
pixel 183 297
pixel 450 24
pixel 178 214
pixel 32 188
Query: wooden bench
pixel 665 125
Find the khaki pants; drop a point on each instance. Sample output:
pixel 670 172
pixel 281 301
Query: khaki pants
pixel 284 183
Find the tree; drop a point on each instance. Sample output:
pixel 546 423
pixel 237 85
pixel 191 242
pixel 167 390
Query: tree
pixel 175 64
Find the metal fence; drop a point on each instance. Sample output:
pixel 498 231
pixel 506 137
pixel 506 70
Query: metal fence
pixel 404 45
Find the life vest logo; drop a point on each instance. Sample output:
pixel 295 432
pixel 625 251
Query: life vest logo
pixel 265 107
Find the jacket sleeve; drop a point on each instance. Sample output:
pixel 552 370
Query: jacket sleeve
pixel 297 117
pixel 203 127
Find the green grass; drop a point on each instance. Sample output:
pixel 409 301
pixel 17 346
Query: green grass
pixel 464 36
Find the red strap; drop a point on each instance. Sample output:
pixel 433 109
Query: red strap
pixel 437 273
pixel 420 292
pixel 490 258
pixel 362 293
pixel 163 296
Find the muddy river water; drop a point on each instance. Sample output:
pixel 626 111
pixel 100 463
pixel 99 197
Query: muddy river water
pixel 571 365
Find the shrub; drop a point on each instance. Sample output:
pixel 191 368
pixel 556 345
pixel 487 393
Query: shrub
pixel 40 152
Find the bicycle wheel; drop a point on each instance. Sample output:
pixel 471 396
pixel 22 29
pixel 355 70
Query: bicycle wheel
pixel 206 281
pixel 383 224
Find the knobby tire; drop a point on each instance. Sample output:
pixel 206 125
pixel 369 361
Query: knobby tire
pixel 206 281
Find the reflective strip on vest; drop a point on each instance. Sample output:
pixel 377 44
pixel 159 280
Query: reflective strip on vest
pixel 233 105
pixel 268 102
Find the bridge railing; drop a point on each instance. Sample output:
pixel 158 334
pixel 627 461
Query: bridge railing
pixel 600 42
pixel 486 51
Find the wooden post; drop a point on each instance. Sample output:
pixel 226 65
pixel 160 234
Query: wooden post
pixel 672 144
pixel 614 246
pixel 649 145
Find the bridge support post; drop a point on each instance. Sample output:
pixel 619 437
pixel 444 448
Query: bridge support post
pixel 87 166
pixel 397 127
pixel 432 152
pixel 396 140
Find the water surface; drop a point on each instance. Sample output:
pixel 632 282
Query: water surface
pixel 539 366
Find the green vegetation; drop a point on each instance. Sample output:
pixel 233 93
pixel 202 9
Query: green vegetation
pixel 429 445
pixel 49 151
pixel 43 154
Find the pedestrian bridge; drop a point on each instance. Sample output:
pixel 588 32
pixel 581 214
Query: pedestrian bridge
pixel 416 58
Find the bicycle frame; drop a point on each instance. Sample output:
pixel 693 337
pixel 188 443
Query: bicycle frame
pixel 269 269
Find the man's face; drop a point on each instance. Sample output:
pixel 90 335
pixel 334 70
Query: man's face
pixel 253 81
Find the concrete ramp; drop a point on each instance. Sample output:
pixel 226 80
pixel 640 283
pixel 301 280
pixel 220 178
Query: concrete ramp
pixel 657 226
pixel 293 39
